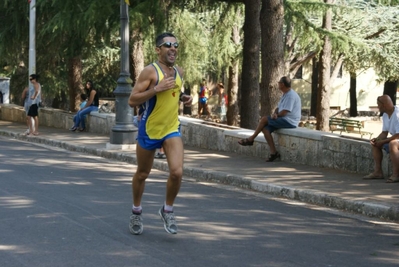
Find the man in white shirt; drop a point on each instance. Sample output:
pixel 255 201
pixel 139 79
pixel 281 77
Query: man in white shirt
pixel 390 125
pixel 286 115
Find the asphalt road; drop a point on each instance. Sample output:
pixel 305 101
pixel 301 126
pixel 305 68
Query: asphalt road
pixel 60 208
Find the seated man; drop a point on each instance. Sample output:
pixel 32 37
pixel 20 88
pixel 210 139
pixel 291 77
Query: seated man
pixel 390 124
pixel 286 115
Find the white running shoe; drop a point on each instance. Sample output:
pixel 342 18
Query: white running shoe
pixel 169 221
pixel 136 224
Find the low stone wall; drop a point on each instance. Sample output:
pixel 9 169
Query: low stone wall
pixel 300 145
pixel 96 122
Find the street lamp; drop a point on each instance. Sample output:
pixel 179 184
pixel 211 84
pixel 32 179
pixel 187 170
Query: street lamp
pixel 32 37
pixel 123 132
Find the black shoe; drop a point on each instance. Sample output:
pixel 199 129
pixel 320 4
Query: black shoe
pixel 273 157
pixel 73 128
pixel 160 156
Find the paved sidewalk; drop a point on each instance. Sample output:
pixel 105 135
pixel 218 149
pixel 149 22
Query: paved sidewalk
pixel 325 187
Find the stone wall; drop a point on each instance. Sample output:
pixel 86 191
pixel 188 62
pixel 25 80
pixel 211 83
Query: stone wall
pixel 300 145
pixel 100 123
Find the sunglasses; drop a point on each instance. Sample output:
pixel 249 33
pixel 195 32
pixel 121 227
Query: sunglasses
pixel 31 79
pixel 169 45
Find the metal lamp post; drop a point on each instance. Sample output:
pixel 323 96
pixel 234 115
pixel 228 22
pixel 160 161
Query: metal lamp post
pixel 123 132
pixel 32 37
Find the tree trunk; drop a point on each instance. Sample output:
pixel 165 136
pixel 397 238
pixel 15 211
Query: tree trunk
pixel 272 21
pixel 74 82
pixel 390 89
pixel 136 57
pixel 60 101
pixel 315 84
pixel 352 95
pixel 187 91
pixel 232 90
pixel 249 90
pixel 137 54
pixel 324 90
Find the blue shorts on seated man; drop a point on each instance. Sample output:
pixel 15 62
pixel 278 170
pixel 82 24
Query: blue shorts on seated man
pixel 279 123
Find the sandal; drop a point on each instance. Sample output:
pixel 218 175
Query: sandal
pixel 273 157
pixel 246 142
pixel 372 176
pixel 393 179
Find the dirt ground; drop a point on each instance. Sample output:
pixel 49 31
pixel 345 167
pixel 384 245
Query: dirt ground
pixel 371 124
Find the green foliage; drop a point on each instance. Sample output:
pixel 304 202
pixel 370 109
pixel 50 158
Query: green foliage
pixel 206 48
pixel 384 40
pixel 64 29
pixel 306 17
pixel 364 32
pixel 14 41
pixel 102 65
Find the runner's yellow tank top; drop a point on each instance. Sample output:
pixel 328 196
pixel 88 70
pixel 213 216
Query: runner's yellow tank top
pixel 161 115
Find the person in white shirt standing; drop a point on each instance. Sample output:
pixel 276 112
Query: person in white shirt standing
pixel 286 115
pixel 390 126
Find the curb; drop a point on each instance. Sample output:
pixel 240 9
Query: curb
pixel 370 209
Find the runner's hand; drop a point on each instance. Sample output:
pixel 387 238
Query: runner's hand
pixel 166 84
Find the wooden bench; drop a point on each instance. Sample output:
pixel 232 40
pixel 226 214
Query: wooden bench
pixel 348 126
